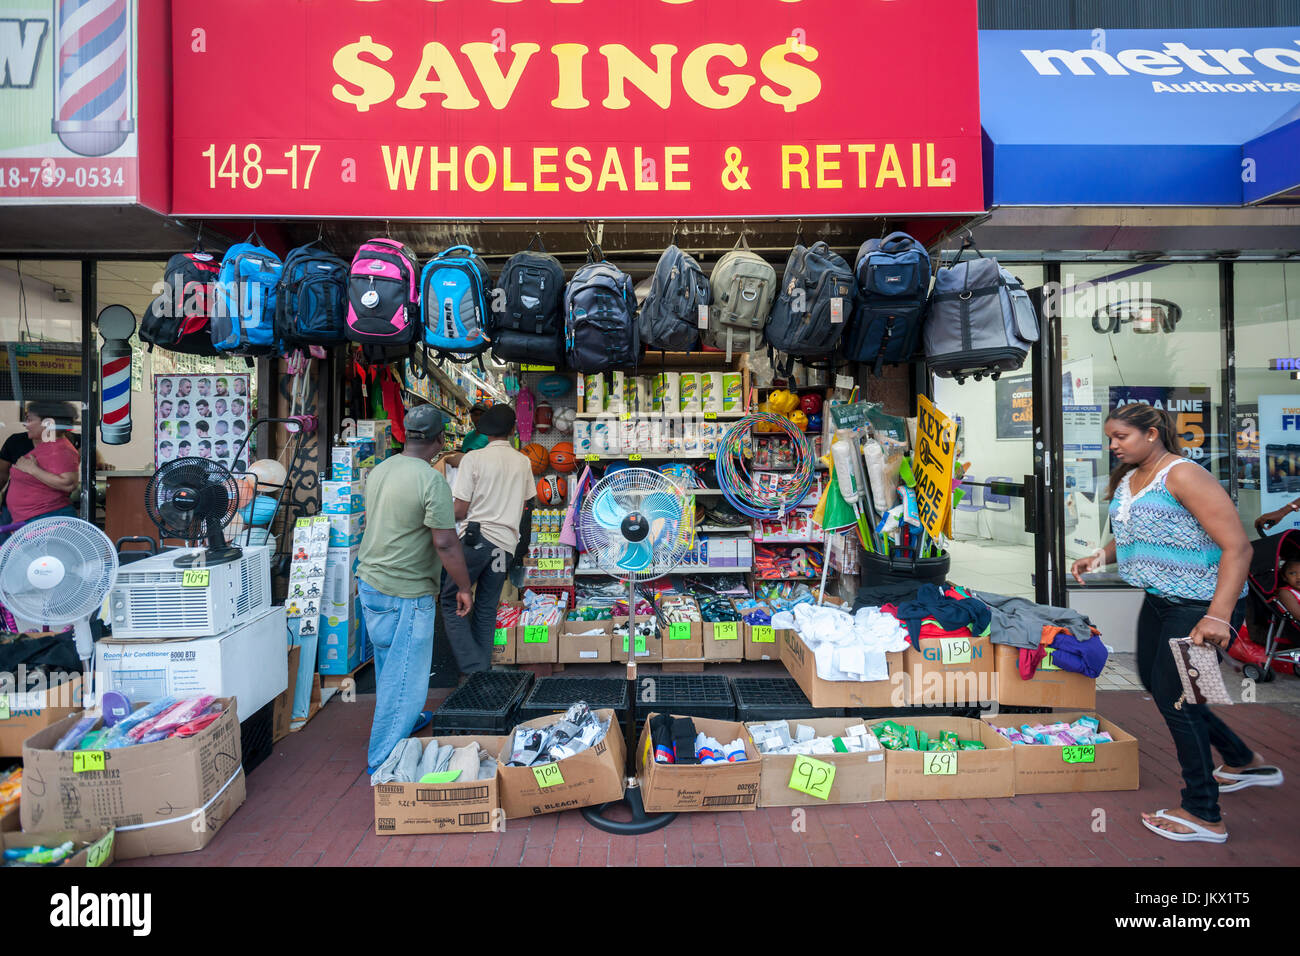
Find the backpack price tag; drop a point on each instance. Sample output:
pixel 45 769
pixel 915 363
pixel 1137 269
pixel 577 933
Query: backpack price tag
pixel 763 634
pixel 548 776
pixel 955 650
pixel 813 777
pixel 537 634
pixel 87 760
pixel 499 638
pixel 941 763
pixel 196 578
pixel 679 631
pixel 725 631
pixel 704 316
pixel 1079 754
pixel 550 564
pixel 837 310
pixel 97 853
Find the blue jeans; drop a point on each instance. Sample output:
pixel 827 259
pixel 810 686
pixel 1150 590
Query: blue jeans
pixel 401 630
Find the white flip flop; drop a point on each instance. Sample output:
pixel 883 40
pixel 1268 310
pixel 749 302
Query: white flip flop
pixel 1255 777
pixel 1199 833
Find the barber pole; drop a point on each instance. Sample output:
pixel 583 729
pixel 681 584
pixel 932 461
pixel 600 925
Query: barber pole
pixel 116 323
pixel 92 94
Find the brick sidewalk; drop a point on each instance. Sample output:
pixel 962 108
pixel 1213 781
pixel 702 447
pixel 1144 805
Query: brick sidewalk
pixel 310 804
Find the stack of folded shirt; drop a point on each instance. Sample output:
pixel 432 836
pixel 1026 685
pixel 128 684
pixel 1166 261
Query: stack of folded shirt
pixel 847 647
pixel 412 761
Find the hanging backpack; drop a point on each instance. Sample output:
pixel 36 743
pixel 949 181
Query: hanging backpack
pixel 243 322
pixel 981 321
pixel 600 324
pixel 383 301
pixel 178 319
pixel 670 316
pixel 815 303
pixel 893 280
pixel 312 302
pixel 526 321
pixel 743 285
pixel 453 290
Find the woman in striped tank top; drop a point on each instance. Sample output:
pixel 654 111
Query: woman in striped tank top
pixel 1178 537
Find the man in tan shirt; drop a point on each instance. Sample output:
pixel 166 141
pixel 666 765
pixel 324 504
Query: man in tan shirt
pixel 493 488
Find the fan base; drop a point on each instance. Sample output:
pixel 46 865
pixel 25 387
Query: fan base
pixel 209 557
pixel 641 821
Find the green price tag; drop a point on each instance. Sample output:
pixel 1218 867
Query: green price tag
pixel 726 631
pixel 942 763
pixel 763 634
pixel 4 706
pixel 537 634
pixel 813 777
pixel 634 457
pixel 445 776
pixel 956 650
pixel 97 853
pixel 1079 754
pixel 626 416
pixel 196 578
pixel 710 416
pixel 85 760
pixel 591 458
pixel 713 456
pixel 640 644
pixel 1046 664
pixel 548 776
pixel 500 638
pixel 302 523
pixel 548 538
pixel 550 564
pixel 680 631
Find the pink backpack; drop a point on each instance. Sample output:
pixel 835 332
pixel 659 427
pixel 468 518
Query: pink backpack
pixel 384 295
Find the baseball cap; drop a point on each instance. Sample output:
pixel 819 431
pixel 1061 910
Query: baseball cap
pixel 425 423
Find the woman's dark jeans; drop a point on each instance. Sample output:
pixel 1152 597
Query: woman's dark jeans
pixel 1194 727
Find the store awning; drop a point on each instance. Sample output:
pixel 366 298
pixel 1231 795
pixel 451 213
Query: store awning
pixel 1140 117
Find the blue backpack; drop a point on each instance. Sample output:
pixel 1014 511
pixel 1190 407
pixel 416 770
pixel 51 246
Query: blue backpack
pixel 893 282
pixel 312 301
pixel 243 319
pixel 453 294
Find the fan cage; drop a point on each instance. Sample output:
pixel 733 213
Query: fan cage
pixel 193 474
pixel 90 567
pixel 671 530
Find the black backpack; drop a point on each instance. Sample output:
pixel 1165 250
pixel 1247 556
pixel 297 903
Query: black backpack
pixel 526 315
pixel 893 283
pixel 803 323
pixel 600 317
pixel 178 320
pixel 670 317
pixel 312 302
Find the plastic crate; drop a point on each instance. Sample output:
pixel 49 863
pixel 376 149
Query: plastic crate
pixel 487 705
pixel 775 698
pixel 553 695
pixel 552 589
pixel 687 695
pixel 257 737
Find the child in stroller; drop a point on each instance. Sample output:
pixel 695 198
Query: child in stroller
pixel 1274 583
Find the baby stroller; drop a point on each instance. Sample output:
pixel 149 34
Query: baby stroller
pixel 1281 648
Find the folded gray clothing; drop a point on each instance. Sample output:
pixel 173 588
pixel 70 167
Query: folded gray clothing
pixel 441 763
pixel 401 765
pixel 487 765
pixel 465 761
pixel 429 761
pixel 1019 622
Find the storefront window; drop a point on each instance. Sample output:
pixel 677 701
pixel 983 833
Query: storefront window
pixel 1266 308
pixel 1135 333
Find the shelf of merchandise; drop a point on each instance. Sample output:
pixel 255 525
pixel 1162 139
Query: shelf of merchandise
pixel 652 456
pixel 821 540
pixel 682 569
pixel 804 577
pixel 723 529
pixel 653 415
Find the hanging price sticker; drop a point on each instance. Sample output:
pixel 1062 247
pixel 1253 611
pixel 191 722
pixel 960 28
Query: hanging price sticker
pixel 548 776
pixel 1079 754
pixel 763 634
pixel 500 638
pixel 942 763
pixel 813 777
pixel 97 853
pixel 726 631
pixel 640 644
pixel 196 578
pixel 679 631
pixel 704 316
pixel 1047 664
pixel 537 634
pixel 87 760
pixel 837 310
pixel 955 650
pixel 710 416
pixel 634 457
pixel 550 564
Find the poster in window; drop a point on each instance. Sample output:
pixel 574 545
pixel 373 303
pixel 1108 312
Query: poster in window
pixel 202 416
pixel 1279 444
pixel 1015 407
pixel 1189 407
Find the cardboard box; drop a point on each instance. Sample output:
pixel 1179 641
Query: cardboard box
pixel 592 777
pixel 1047 688
pixel 537 644
pixel 469 806
pixel 934 683
pixel 652 653
pixel 95 847
pixel 365 452
pixel 980 773
pixel 763 643
pixel 12 820
pixel 380 431
pixel 505 645
pixel 799 661
pixel 345 463
pixel 166 797
pixel 341 498
pixel 340 643
pixel 686 645
pixel 859 777
pixel 248 663
pixel 346 531
pixel 1042 768
pixel 282 713
pixel 578 648
pixel 32 712
pixel 669 788
pixel 730 648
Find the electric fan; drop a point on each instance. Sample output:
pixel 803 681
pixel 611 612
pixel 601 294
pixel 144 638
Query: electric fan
pixel 57 571
pixel 636 525
pixel 192 498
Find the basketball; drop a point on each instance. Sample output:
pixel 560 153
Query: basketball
pixel 562 457
pixel 552 490
pixel 537 455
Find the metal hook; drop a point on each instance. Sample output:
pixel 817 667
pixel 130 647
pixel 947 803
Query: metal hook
pixel 320 230
pixel 798 234
pixel 673 241
pixel 388 232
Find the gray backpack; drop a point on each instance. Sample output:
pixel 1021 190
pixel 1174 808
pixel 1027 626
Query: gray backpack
pixel 981 321
pixel 744 286
pixel 670 317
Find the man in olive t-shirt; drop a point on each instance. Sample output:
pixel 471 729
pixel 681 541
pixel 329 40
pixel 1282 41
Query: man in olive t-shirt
pixel 410 537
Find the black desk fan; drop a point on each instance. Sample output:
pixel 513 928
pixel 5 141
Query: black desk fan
pixel 192 498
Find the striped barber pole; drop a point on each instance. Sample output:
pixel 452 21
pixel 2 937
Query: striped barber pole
pixel 92 96
pixel 115 394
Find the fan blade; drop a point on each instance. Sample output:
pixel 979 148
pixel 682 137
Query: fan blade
pixel 607 512
pixel 660 505
pixel 636 556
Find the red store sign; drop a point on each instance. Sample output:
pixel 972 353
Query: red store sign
pixel 575 108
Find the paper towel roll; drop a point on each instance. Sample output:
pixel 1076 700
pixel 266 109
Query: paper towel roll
pixel 711 391
pixel 594 393
pixel 731 387
pixel 672 392
pixel 690 392
pixel 617 384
